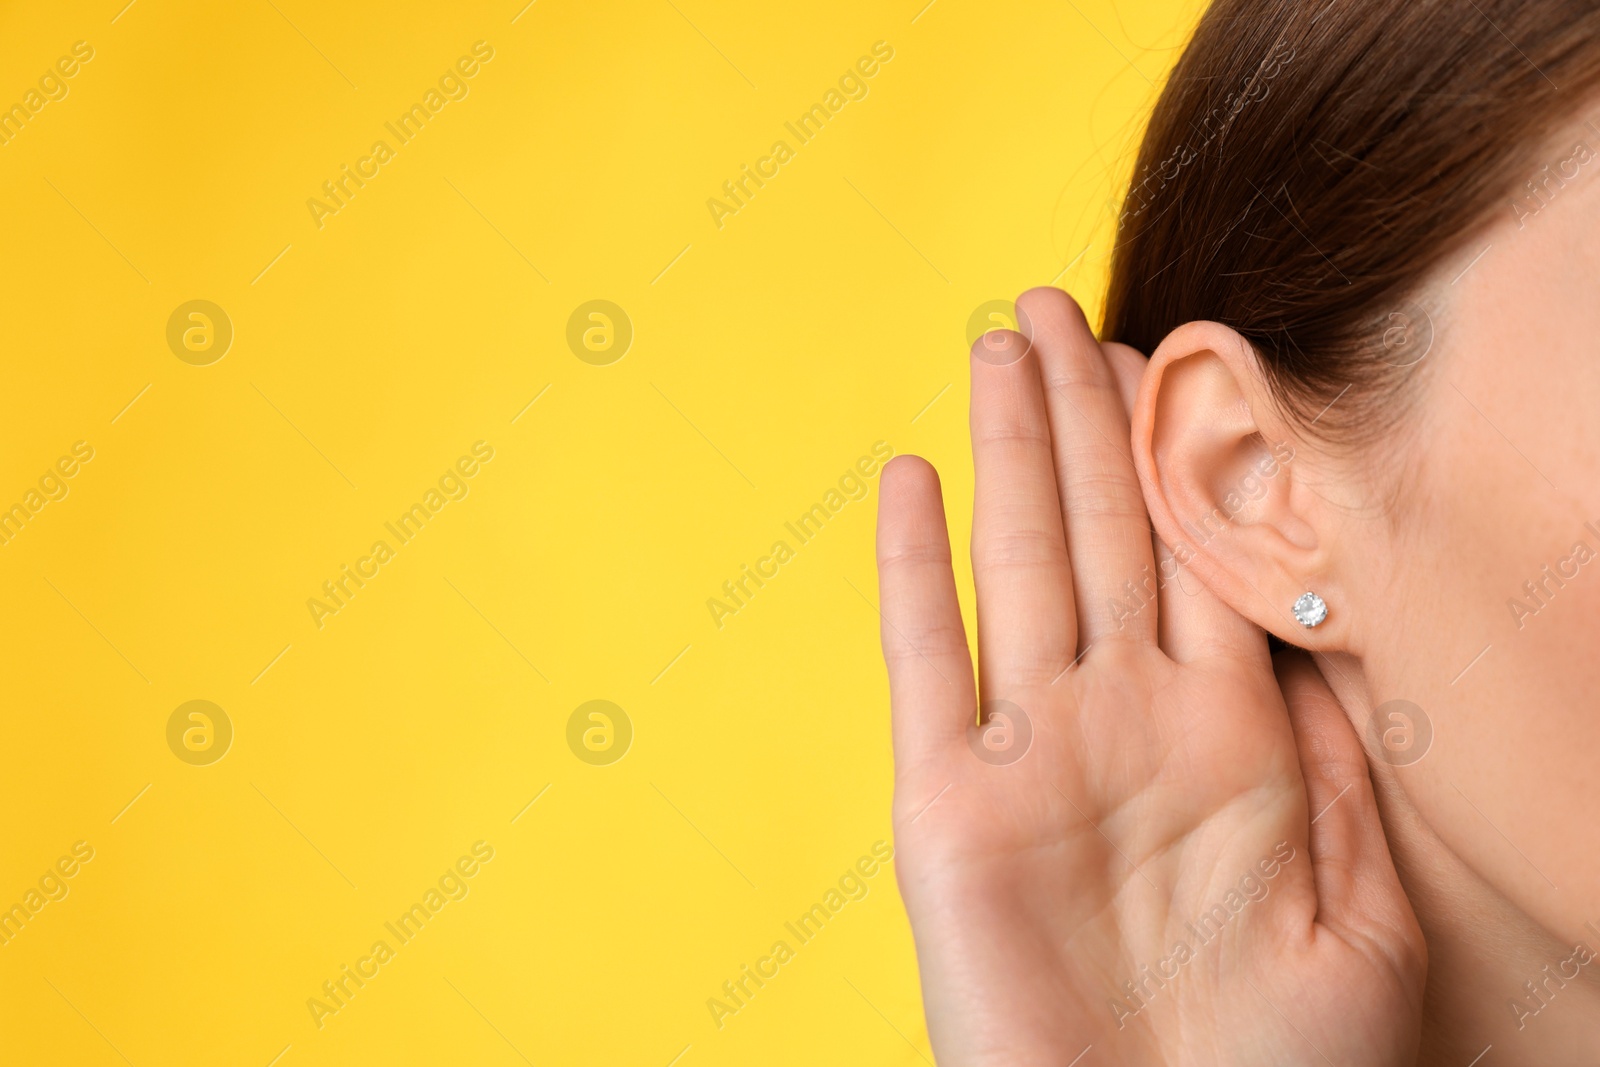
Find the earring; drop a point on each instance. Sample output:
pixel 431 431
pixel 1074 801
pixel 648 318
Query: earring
pixel 1310 610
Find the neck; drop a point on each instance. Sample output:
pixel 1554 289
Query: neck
pixel 1497 978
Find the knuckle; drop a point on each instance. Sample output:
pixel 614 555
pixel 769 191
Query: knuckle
pixel 1012 434
pixel 1083 376
pixel 1110 510
pixel 922 643
pixel 911 554
pixel 1019 547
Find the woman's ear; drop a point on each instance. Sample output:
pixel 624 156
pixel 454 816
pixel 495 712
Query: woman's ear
pixel 1226 486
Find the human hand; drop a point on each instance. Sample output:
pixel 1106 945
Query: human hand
pixel 1144 857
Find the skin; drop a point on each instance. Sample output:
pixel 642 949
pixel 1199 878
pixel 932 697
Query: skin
pixel 1164 776
pixel 1420 545
pixel 1168 759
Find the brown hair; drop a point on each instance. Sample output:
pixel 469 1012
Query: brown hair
pixel 1309 163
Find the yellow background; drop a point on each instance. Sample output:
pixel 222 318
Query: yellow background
pixel 829 313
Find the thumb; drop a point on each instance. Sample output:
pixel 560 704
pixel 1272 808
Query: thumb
pixel 1359 895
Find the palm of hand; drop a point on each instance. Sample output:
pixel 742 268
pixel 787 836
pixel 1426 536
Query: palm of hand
pixel 1140 880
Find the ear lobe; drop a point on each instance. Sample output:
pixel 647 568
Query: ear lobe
pixel 1217 464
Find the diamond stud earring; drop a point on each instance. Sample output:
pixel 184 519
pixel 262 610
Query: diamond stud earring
pixel 1310 610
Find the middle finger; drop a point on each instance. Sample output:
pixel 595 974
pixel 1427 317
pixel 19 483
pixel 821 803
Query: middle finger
pixel 1107 527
